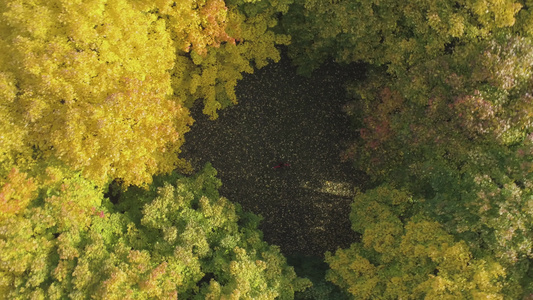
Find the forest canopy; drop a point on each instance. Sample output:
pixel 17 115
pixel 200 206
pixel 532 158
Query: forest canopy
pixel 108 92
pixel 179 239
pixel 96 97
pixel 444 119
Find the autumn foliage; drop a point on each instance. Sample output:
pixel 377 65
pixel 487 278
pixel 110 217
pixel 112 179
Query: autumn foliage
pixel 177 239
pixel 95 98
pixel 444 116
pixel 408 256
pixel 104 85
pixel 95 92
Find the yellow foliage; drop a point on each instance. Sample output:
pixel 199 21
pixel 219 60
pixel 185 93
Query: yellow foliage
pixel 353 272
pixel 16 194
pixel 89 82
pixel 12 131
pixel 103 85
pixel 212 73
pixel 195 25
pixel 382 238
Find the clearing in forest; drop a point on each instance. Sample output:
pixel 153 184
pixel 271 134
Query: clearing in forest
pixel 283 118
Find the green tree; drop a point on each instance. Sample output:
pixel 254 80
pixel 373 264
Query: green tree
pixel 445 113
pixel 457 133
pixel 179 238
pixel 399 34
pixel 404 254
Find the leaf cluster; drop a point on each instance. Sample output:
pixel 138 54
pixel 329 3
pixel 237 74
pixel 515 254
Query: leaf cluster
pixel 105 85
pixel 411 256
pixel 181 239
pixel 449 121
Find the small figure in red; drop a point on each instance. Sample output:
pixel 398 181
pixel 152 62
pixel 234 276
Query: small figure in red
pixel 281 165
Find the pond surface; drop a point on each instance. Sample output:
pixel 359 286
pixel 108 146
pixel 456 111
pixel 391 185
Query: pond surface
pixel 285 118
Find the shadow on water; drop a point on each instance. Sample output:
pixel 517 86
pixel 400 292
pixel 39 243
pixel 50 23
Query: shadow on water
pixel 285 118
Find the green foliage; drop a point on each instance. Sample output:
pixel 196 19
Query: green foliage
pixel 177 239
pixel 456 131
pixel 466 148
pixel 397 33
pixel 314 268
pixel 408 256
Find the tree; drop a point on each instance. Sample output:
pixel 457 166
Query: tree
pixel 90 84
pixel 404 254
pixel 457 133
pixel 104 85
pixel 399 34
pixel 445 113
pixel 179 238
pixel 212 75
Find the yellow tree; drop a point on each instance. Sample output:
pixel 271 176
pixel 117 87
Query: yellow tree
pixel 104 84
pixel 89 83
pixel 244 39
